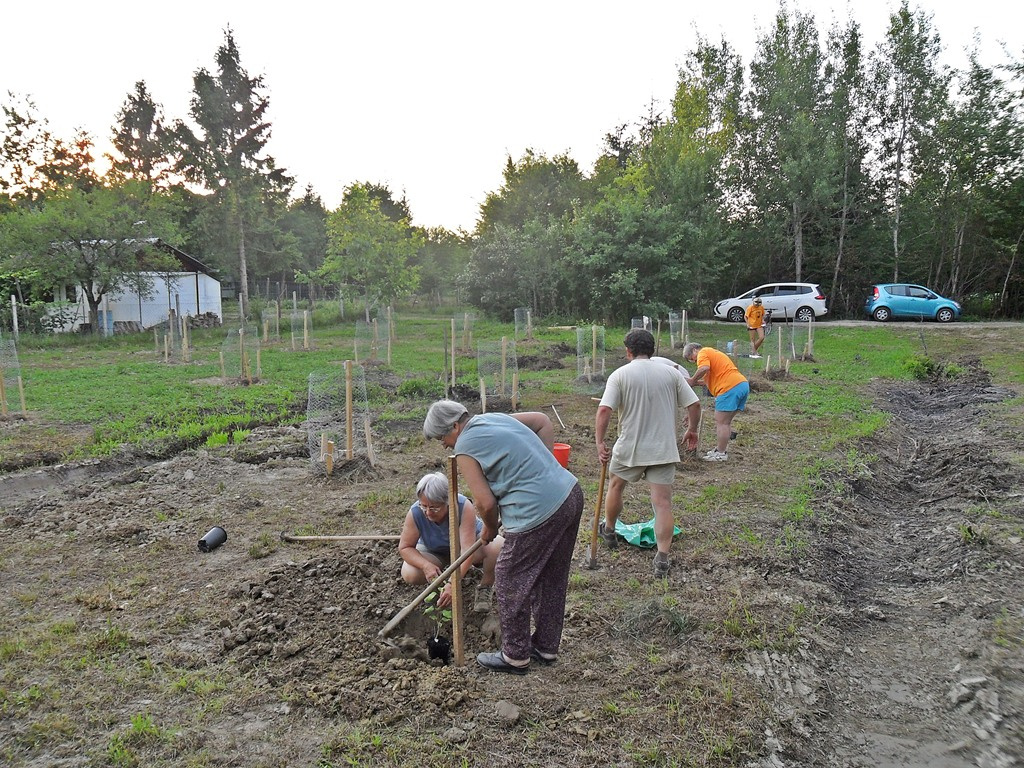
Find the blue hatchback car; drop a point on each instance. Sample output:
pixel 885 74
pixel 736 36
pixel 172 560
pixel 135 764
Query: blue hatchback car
pixel 889 300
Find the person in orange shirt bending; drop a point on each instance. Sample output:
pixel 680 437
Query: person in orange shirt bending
pixel 730 389
pixel 755 325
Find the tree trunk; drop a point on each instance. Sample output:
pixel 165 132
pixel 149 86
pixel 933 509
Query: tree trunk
pixel 243 272
pixel 1009 271
pixel 798 240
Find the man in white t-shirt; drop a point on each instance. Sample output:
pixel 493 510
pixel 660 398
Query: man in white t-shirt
pixel 646 395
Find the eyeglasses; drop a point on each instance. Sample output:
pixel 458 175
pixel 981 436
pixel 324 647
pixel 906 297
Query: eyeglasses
pixel 435 510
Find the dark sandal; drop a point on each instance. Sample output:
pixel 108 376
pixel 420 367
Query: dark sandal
pixel 546 661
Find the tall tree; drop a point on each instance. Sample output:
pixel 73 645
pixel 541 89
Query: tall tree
pixel 141 139
pixel 367 249
pixel 228 155
pixel 790 162
pixel 909 94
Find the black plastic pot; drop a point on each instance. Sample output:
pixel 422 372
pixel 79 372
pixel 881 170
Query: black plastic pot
pixel 439 648
pixel 213 539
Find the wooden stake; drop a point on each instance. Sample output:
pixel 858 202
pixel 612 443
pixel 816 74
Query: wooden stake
pixel 349 453
pixel 453 353
pixel 3 395
pixel 305 329
pixel 515 390
pixel 369 442
pixel 455 544
pixel 266 331
pixel 504 367
pixel 329 458
pixel 156 341
pixel 259 362
pixel 483 396
pixel 167 348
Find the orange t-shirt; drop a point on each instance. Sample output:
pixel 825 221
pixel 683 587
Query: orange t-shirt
pixel 722 373
pixel 755 316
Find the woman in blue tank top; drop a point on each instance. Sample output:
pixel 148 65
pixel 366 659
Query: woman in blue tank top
pixel 425 542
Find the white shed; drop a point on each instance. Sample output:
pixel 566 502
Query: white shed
pixel 193 291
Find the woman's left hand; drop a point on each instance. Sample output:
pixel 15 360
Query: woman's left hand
pixel 445 598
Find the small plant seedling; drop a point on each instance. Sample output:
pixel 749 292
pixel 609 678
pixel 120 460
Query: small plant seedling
pixel 435 613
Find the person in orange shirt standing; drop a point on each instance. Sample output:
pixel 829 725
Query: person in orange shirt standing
pixel 755 325
pixel 729 387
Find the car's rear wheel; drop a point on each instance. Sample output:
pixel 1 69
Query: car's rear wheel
pixel 881 314
pixel 804 315
pixel 944 315
pixel 736 315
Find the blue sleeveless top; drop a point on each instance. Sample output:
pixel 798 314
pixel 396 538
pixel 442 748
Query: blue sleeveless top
pixel 434 536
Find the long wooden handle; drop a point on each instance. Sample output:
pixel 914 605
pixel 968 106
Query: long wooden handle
pixel 597 513
pixel 367 537
pixel 430 588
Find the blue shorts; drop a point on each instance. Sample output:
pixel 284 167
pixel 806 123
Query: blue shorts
pixel 734 399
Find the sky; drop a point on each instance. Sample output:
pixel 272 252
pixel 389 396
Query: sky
pixel 428 98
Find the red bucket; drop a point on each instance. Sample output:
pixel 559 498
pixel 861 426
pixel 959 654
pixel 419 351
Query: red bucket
pixel 561 451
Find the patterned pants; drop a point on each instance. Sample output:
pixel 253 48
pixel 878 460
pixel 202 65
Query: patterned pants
pixel 532 576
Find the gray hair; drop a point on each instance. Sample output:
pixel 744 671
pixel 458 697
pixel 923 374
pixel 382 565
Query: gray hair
pixel 441 417
pixel 433 487
pixel 690 349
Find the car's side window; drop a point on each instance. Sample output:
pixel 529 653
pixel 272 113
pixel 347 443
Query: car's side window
pixel 897 290
pixel 919 293
pixel 787 290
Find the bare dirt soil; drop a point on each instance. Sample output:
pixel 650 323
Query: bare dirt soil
pixel 886 629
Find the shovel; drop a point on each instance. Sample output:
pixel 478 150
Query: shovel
pixel 597 515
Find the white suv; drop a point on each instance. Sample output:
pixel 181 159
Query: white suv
pixel 788 301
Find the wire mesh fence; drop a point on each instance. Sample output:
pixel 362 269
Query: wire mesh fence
pixel 338 415
pixel 12 390
pixel 590 358
pixel 498 369
pixel 240 354
pixel 524 323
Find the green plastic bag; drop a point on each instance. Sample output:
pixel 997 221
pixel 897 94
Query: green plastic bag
pixel 641 534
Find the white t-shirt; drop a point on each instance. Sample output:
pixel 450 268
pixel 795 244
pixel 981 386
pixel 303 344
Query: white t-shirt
pixel 646 395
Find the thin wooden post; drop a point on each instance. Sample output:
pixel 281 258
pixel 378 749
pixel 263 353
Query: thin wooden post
pixel 21 394
pixel 657 339
pixel 3 395
pixel 14 316
pixel 593 345
pixel 504 367
pixel 465 331
pixel 305 329
pixel 167 347
pixel 456 552
pixel 682 336
pixel 453 353
pixel 259 361
pixel 266 331
pixel 329 458
pixel 376 340
pixel 515 390
pixel 156 340
pixel 349 453
pixel 483 396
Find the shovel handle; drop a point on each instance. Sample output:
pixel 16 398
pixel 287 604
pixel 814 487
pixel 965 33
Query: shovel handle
pixel 430 588
pixel 597 513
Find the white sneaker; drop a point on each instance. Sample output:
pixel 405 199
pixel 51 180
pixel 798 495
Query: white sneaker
pixel 715 456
